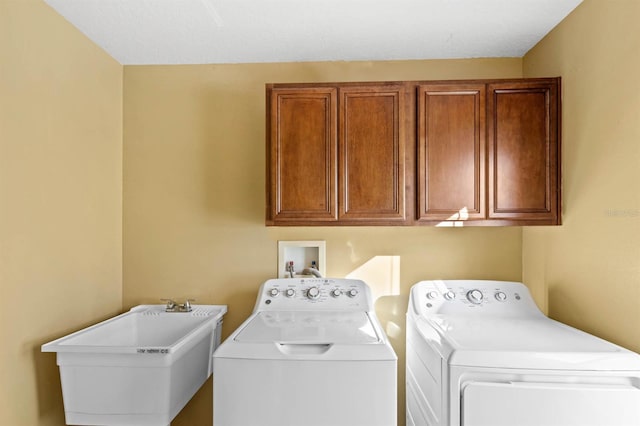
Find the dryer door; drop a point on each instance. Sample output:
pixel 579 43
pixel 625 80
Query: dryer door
pixel 550 404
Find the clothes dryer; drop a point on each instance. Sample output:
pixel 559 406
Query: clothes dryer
pixel 480 353
pixel 312 353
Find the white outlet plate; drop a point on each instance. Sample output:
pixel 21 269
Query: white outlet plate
pixel 302 253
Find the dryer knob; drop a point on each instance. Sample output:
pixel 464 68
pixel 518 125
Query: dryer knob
pixel 432 295
pixel 449 295
pixel 313 293
pixel 352 293
pixel 290 292
pixel 336 292
pixel 274 292
pixel 501 296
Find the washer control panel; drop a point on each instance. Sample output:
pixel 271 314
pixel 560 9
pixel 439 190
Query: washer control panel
pixel 471 297
pixel 314 293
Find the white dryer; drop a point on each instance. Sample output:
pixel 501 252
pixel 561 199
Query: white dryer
pixel 313 353
pixel 480 353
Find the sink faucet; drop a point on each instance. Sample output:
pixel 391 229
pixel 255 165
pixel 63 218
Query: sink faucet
pixel 176 307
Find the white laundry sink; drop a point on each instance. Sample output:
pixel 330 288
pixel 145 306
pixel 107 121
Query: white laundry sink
pixel 139 368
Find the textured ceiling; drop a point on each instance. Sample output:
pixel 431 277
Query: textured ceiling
pixel 242 31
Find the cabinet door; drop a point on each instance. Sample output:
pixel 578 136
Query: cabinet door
pixel 372 154
pixel 524 151
pixel 451 152
pixel 301 153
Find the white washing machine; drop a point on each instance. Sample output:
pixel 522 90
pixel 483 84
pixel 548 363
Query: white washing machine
pixel 480 353
pixel 312 353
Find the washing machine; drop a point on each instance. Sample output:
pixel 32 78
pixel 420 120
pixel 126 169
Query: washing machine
pixel 480 353
pixel 312 353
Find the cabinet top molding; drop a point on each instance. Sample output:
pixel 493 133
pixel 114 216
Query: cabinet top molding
pixel 409 83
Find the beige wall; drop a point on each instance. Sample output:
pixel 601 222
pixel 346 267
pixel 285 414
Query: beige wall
pixel 590 267
pixel 193 192
pixel 194 178
pixel 60 200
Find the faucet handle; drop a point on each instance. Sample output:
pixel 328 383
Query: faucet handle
pixel 171 305
pixel 187 305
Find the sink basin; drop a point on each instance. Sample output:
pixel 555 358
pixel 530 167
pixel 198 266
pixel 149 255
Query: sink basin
pixel 139 368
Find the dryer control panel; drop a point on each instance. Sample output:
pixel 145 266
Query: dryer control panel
pixel 331 294
pixel 499 298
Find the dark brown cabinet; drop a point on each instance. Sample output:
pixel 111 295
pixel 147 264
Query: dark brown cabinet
pixel 523 147
pixel 371 154
pixel 336 155
pixel 302 162
pixel 489 152
pixel 451 152
pixel 410 153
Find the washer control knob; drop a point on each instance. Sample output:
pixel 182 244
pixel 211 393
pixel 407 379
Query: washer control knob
pixel 290 292
pixel 352 293
pixel 336 292
pixel 274 292
pixel 501 296
pixel 313 293
pixel 475 296
pixel 449 295
pixel 432 295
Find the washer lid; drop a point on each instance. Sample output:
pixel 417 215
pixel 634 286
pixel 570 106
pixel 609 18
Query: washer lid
pixel 309 327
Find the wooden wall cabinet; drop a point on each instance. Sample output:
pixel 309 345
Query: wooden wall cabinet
pixel 302 155
pixel 336 154
pixel 371 155
pixel 474 152
pixel 524 154
pixel 451 152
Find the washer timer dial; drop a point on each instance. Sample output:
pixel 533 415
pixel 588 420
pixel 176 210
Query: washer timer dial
pixel 475 296
pixel 313 293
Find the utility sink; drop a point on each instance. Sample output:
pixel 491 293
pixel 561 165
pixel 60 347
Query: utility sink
pixel 139 368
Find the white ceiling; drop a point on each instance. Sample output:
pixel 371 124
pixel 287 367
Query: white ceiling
pixel 242 31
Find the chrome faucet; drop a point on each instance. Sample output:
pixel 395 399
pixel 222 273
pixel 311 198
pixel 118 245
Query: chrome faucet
pixel 177 307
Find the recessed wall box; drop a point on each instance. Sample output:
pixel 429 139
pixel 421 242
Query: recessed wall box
pixel 303 254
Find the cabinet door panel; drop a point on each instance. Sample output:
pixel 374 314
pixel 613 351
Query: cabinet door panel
pixel 302 154
pixel 451 152
pixel 372 171
pixel 523 151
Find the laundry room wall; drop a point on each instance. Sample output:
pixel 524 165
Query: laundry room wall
pixel 194 198
pixel 590 266
pixel 60 200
